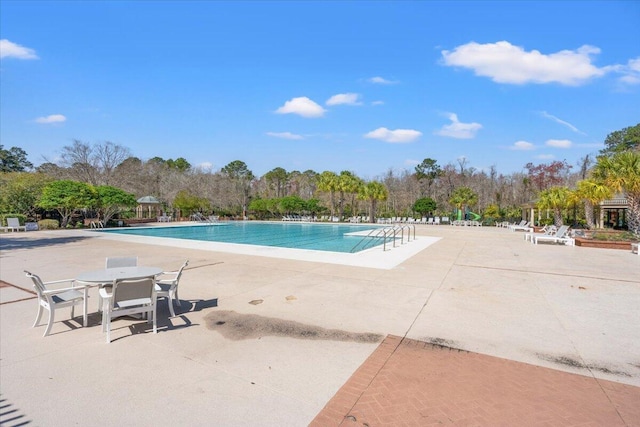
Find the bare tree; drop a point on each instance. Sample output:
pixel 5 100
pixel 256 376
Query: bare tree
pixel 93 164
pixel 107 157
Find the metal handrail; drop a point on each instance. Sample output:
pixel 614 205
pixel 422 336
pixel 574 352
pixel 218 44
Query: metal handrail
pixel 201 218
pixel 375 233
pixel 388 232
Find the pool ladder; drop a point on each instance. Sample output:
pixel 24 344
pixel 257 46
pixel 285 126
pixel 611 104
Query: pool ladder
pixel 203 219
pixel 388 233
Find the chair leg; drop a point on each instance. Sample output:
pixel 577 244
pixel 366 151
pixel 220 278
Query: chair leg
pixel 108 328
pixel 170 302
pixel 84 306
pixel 50 324
pixel 38 316
pixel 153 313
pixel 175 296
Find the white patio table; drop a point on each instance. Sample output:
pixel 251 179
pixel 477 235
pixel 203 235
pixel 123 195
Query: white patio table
pixel 108 275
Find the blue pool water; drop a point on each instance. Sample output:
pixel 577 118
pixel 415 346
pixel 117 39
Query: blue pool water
pixel 319 237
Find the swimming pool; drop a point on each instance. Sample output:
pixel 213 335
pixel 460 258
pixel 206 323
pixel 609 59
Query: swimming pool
pixel 342 238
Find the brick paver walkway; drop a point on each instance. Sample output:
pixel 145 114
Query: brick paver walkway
pixel 412 383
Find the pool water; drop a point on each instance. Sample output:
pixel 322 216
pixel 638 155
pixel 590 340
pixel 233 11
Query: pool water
pixel 319 237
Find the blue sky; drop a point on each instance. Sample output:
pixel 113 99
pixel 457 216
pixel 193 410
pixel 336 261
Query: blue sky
pixel 359 86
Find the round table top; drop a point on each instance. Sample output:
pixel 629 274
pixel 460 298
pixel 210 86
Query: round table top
pixel 110 274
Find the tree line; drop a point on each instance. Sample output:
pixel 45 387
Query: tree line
pixel 429 189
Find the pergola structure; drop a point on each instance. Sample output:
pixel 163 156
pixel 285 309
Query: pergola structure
pixel 148 207
pixel 613 212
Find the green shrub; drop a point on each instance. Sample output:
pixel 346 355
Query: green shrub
pixel 48 224
pixel 613 236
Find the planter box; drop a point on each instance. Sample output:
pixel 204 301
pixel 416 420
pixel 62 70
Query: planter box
pixel 606 244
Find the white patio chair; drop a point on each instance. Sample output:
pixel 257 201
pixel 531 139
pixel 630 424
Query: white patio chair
pixel 115 262
pixel 167 286
pixel 126 297
pixel 14 224
pixel 53 299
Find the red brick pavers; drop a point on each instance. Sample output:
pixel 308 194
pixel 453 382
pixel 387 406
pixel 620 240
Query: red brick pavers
pixel 412 383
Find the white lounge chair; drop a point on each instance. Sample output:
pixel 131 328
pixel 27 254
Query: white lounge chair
pixel 126 297
pixel 547 230
pixel 53 299
pixel 14 225
pixel 561 236
pixel 523 226
pixel 167 286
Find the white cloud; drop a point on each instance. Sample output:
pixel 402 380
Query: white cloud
pixel 381 81
pixel 394 136
pixel 204 166
pixel 562 122
pixel 506 63
pixel 53 118
pixel 301 106
pixel 522 146
pixel 458 129
pixel 631 72
pixel 634 64
pixel 285 135
pixel 12 50
pixel 558 143
pixel 377 103
pixel 344 98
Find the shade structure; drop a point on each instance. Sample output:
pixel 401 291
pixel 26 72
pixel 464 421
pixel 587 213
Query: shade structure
pixel 147 207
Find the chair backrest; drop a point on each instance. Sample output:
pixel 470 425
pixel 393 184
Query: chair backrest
pixel 562 231
pixel 180 271
pixel 13 222
pixel 37 283
pixel 132 291
pixel 114 262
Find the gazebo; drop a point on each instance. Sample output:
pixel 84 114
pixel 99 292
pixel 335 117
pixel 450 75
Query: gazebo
pixel 148 207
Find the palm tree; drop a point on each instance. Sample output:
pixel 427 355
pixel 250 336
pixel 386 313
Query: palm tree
pixel 591 192
pixel 348 183
pixel 328 183
pixel 373 191
pixel 463 197
pixel 621 172
pixel 556 199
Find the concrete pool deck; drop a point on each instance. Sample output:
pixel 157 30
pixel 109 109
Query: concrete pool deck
pixel 282 342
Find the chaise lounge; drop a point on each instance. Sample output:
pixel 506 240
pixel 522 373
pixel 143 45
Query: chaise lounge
pixel 561 236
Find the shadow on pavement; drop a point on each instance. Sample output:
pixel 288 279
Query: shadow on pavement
pixel 29 242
